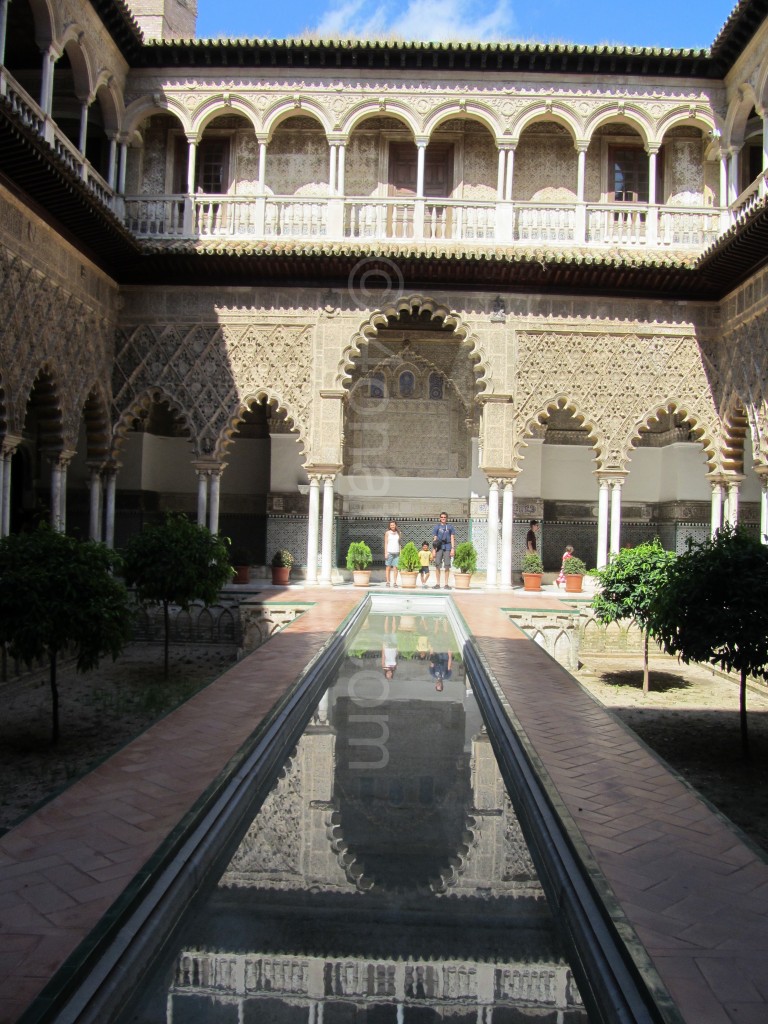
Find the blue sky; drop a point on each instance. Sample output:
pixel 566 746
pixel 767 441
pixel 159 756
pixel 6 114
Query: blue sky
pixel 672 23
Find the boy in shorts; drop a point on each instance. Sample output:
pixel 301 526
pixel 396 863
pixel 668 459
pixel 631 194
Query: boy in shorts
pixel 425 557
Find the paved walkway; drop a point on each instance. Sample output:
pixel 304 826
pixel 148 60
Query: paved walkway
pixel 696 896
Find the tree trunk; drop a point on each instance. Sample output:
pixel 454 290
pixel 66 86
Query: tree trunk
pixel 167 620
pixel 743 715
pixel 54 700
pixel 646 685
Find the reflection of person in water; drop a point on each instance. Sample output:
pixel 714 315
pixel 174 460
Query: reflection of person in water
pixel 389 647
pixel 440 668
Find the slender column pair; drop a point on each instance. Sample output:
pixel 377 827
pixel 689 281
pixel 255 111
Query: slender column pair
pixel 58 514
pixel 209 494
pixel 609 497
pixel 506 486
pixel 725 502
pixel 313 529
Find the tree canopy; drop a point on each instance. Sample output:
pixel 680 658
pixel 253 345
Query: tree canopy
pixel 714 608
pixel 630 584
pixel 58 594
pixel 176 562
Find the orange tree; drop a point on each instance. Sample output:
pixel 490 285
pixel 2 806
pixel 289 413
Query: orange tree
pixel 176 562
pixel 59 594
pixel 629 585
pixel 714 607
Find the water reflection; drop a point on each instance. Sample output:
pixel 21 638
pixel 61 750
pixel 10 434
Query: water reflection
pixel 385 878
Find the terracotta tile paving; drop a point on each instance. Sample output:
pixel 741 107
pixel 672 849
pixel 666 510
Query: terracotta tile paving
pixel 695 894
pixel 62 868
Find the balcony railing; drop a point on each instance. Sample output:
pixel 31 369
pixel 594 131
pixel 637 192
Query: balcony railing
pixel 427 220
pixel 338 218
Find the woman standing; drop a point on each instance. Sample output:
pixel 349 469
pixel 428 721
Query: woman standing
pixel 391 552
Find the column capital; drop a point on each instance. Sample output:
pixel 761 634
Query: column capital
pixel 9 443
pixel 613 477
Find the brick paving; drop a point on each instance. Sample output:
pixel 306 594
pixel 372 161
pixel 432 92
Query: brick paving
pixel 695 894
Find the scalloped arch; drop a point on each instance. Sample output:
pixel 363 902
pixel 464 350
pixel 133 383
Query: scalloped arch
pixel 705 435
pixel 226 439
pixel 286 108
pixel 469 112
pixel 45 385
pixel 408 304
pixel 540 112
pixel 220 106
pixel 98 432
pixel 542 414
pixel 141 403
pixel 633 116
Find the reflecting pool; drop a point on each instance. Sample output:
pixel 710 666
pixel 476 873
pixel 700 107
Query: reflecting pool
pixel 385 878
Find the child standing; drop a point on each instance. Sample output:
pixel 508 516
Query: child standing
pixel 568 553
pixel 425 557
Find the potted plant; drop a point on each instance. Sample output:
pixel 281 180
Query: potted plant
pixel 241 563
pixel 464 564
pixel 282 562
pixel 533 570
pixel 408 563
pixel 358 559
pixel 575 571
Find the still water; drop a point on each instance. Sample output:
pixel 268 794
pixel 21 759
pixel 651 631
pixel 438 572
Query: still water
pixel 385 878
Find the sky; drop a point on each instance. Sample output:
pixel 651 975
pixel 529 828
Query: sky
pixel 665 23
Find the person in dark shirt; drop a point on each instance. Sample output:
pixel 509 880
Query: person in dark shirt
pixel 530 537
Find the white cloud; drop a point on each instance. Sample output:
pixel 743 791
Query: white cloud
pixel 427 20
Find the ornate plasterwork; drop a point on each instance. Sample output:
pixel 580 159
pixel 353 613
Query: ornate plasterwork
pixel 740 364
pixel 46 328
pixel 211 373
pixel 580 372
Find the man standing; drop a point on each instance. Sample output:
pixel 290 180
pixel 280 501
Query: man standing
pixel 530 537
pixel 444 544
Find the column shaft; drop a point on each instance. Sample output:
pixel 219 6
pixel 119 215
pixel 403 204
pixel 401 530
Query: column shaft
pixel 327 536
pixel 94 524
pixel 213 510
pixel 202 497
pixel 55 511
pixel 507 520
pixel 602 523
pixel 491 573
pixel 313 529
pixel 109 525
pixel 616 517
pixel 716 514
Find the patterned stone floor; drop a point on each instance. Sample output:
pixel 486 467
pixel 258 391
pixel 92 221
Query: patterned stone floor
pixel 695 894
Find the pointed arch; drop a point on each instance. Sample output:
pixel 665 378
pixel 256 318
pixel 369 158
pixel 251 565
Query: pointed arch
pixel 255 396
pixel 426 308
pixel 700 430
pixel 568 403
pixel 140 406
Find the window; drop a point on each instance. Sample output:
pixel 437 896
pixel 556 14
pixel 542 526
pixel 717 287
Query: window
pixel 377 385
pixel 407 384
pixel 435 387
pixel 628 174
pixel 211 165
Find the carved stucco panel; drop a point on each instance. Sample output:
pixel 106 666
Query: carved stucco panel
pixel 45 326
pixel 616 382
pixel 212 371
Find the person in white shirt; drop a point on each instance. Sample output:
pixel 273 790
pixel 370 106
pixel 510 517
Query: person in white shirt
pixel 391 553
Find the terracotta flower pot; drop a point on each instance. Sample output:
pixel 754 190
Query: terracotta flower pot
pixel 281 575
pixel 242 574
pixel 532 580
pixel 408 580
pixel 461 580
pixel 573 584
pixel 361 577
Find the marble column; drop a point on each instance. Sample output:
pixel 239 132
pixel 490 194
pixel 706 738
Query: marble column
pixel 56 488
pixel 7 447
pixel 616 486
pixel 491 573
pixel 109 508
pixel 215 499
pixel 326 551
pixel 94 521
pixel 507 520
pixel 716 513
pixel 603 501
pixel 202 496
pixel 734 487
pixel 313 529
pixel 764 505
pixel 3 29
